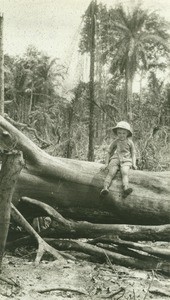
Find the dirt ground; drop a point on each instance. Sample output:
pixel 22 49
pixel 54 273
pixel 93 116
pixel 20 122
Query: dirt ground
pixel 78 279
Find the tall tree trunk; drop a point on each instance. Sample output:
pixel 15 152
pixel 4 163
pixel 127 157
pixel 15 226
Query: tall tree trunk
pixel 11 166
pixel 31 99
pixel 129 94
pixel 70 118
pixel 1 68
pixel 91 86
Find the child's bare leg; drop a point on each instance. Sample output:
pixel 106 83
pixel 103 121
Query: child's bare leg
pixel 125 180
pixel 111 174
pixel 108 180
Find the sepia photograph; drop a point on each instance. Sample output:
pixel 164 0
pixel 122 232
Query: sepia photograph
pixel 84 149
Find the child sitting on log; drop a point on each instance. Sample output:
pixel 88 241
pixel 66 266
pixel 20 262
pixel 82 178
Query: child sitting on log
pixel 121 156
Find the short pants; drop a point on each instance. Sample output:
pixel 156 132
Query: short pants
pixel 118 163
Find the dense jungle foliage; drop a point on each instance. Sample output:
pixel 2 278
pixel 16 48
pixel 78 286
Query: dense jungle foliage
pixel 130 46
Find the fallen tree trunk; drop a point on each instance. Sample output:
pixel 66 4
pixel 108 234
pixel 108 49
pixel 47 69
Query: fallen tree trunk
pixel 73 187
pixel 127 232
pixel 60 227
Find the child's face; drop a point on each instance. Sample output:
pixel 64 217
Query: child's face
pixel 122 134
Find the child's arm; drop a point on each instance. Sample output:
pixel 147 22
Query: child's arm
pixel 133 153
pixel 109 153
pixel 107 159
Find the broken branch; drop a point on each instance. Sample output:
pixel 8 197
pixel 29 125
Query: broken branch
pixel 42 245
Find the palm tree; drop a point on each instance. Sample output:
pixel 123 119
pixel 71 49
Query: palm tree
pixel 134 39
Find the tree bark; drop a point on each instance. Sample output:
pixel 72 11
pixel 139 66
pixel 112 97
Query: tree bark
pixel 129 91
pixel 107 232
pixel 11 166
pixel 150 249
pixel 1 66
pixel 73 187
pixel 91 85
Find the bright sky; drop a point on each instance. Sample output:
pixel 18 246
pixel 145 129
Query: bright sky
pixel 50 25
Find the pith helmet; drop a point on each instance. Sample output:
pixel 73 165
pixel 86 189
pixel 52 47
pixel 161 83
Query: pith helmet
pixel 123 125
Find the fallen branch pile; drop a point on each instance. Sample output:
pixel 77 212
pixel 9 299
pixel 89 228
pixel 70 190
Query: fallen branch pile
pixel 112 243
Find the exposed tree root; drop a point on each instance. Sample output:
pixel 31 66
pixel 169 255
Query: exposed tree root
pixel 42 245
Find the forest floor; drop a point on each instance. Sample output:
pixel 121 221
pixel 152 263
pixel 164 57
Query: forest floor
pixel 78 279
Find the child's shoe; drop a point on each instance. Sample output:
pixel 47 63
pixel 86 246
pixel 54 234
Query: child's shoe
pixel 104 192
pixel 127 192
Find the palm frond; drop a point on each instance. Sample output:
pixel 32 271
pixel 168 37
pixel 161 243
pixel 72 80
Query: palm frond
pixel 155 39
pixel 119 26
pixel 121 15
